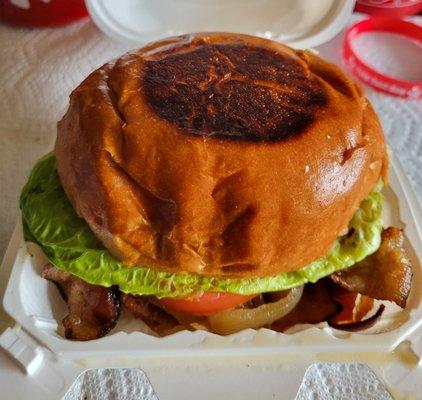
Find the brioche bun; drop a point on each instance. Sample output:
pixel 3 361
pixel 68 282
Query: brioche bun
pixel 219 154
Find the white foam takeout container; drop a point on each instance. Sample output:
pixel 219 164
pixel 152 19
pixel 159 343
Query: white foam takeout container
pixel 36 305
pixel 300 23
pixel 37 308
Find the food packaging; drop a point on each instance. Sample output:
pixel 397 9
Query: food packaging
pixel 38 347
pixel 300 23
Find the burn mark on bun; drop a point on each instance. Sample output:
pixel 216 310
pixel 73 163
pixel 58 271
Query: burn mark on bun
pixel 233 91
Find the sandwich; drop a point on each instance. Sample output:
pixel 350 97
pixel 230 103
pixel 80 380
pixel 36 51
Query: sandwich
pixel 217 181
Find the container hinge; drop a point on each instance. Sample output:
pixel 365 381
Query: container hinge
pixel 20 346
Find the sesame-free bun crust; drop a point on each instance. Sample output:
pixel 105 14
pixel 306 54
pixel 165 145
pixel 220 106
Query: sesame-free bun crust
pixel 219 154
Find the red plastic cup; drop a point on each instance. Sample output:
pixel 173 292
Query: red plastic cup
pixel 389 8
pixel 42 13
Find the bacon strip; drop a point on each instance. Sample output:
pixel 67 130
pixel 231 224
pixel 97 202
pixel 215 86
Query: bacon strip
pixel 316 305
pixel 354 309
pixel 384 275
pixel 93 309
pixel 155 317
pixel 354 306
pixel 359 325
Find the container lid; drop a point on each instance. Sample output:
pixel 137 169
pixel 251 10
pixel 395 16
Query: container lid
pixel 299 23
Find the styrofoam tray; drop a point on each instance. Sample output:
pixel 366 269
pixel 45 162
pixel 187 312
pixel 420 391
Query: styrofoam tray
pixel 37 308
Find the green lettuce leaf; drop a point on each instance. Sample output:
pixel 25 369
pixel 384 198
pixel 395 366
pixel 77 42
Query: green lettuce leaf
pixel 50 221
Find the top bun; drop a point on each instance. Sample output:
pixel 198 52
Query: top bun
pixel 219 154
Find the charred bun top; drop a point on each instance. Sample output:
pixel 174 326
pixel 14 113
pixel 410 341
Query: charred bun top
pixel 219 154
pixel 233 90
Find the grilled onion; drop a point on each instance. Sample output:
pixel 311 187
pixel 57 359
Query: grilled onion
pixel 235 320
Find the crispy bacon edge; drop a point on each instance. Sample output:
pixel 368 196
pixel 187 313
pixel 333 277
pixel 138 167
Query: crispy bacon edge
pixel 156 318
pixel 93 310
pixel 384 275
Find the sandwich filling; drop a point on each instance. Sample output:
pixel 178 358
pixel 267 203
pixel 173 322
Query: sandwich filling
pixel 95 284
pixel 51 222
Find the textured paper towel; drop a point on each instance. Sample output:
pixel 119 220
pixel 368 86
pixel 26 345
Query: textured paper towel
pixel 339 381
pixel 111 384
pixel 39 68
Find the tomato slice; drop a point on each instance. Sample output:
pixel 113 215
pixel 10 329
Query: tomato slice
pixel 204 304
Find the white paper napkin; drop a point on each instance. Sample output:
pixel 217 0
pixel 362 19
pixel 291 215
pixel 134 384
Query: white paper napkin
pixel 340 381
pixel 38 70
pixel 111 384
